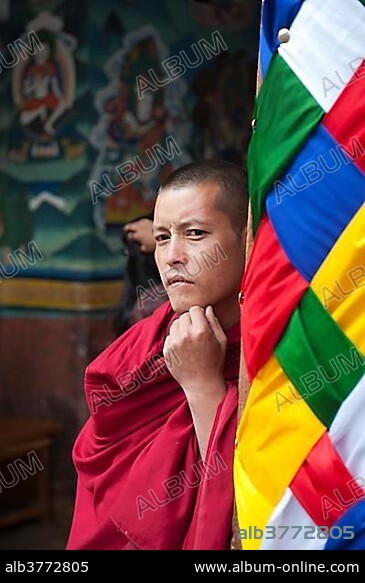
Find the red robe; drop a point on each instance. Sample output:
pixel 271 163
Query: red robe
pixel 141 481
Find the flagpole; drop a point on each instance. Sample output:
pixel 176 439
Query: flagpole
pixel 243 383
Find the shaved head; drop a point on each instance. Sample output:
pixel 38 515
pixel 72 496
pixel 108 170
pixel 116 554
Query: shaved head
pixel 231 198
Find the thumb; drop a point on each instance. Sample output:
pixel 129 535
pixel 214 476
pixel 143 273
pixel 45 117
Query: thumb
pixel 215 325
pixel 165 350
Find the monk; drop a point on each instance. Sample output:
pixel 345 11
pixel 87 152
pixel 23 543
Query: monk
pixel 154 460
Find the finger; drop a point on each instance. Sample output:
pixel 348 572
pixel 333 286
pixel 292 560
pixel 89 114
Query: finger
pixel 146 223
pixel 166 344
pixel 166 351
pixel 174 329
pixel 128 227
pixel 198 319
pixel 169 354
pixel 185 325
pixel 215 325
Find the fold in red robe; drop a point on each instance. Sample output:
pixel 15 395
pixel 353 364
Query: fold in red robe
pixel 141 481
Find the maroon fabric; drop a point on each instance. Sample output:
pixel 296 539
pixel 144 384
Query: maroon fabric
pixel 141 482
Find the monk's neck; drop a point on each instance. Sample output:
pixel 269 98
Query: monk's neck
pixel 228 313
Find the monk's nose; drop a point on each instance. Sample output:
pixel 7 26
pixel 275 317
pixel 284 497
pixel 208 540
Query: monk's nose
pixel 175 252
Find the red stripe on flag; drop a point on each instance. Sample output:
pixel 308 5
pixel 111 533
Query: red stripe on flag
pixel 324 486
pixel 345 121
pixel 272 288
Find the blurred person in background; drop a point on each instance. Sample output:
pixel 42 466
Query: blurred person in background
pixel 140 230
pixel 143 291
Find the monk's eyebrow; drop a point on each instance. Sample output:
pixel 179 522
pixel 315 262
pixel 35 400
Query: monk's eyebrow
pixel 156 228
pixel 183 225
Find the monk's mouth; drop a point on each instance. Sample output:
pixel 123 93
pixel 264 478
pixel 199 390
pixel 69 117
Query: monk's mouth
pixel 177 282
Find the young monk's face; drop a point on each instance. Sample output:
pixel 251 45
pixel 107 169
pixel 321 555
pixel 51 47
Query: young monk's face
pixel 199 256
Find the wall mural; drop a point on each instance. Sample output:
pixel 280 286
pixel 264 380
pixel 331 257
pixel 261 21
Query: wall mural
pixel 94 112
pixel 130 127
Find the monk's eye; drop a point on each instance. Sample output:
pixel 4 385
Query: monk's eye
pixel 196 233
pixel 162 238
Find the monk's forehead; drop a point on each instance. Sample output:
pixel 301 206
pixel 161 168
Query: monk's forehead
pixel 196 201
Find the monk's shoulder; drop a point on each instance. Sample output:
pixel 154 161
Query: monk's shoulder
pixel 134 345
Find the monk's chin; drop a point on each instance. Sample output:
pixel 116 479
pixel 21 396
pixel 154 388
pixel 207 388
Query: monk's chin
pixel 180 306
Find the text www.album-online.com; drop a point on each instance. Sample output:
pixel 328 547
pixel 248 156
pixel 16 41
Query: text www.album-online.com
pixel 301 567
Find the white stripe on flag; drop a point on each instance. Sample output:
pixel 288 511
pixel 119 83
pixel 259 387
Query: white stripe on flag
pixel 348 433
pixel 326 46
pixel 290 513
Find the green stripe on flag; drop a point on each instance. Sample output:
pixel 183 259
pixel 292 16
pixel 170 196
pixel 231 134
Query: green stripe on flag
pixel 285 114
pixel 319 359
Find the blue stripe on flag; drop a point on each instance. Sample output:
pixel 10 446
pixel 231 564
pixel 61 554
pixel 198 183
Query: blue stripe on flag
pixel 348 533
pixel 314 201
pixel 276 14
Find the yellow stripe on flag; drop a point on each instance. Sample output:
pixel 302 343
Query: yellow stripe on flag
pixel 276 432
pixel 340 281
pixel 253 510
